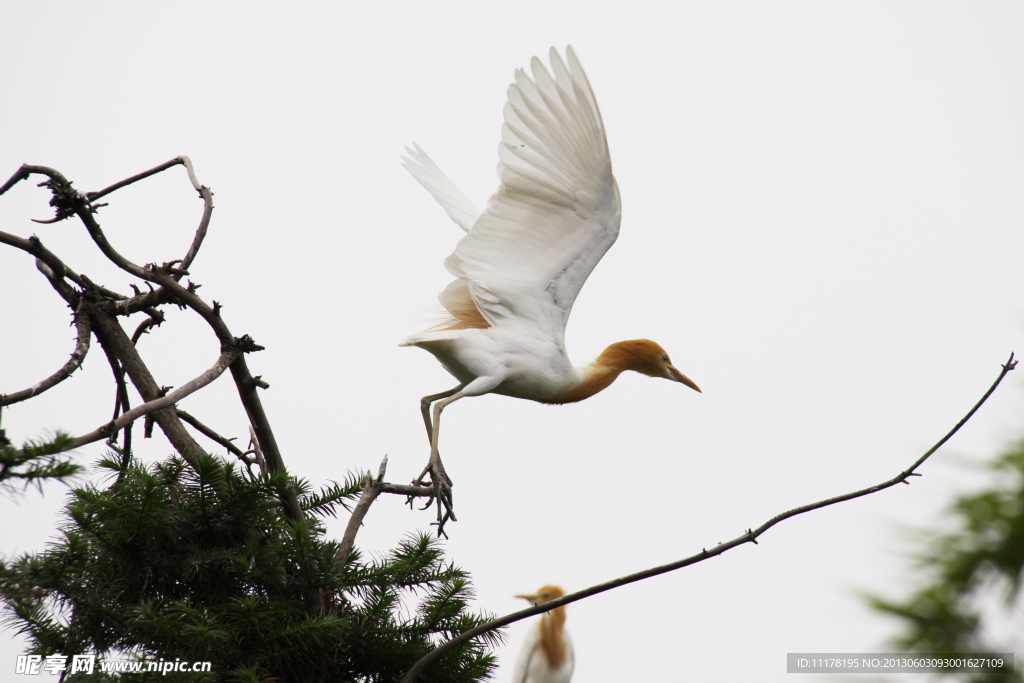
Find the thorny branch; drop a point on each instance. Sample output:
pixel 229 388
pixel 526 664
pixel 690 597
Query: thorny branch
pixel 84 325
pixel 750 536
pixel 108 430
pixel 104 306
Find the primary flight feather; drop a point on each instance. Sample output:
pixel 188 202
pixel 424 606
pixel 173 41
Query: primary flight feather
pixel 525 258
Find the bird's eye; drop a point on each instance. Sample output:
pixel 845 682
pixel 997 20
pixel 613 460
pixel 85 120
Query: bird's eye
pixel 664 359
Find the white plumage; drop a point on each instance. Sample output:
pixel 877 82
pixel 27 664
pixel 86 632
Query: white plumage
pixel 525 258
pixel 547 655
pixel 555 214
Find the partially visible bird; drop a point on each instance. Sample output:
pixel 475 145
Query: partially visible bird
pixel 547 655
pixel 526 256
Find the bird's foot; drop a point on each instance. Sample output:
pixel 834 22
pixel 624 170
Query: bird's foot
pixel 441 492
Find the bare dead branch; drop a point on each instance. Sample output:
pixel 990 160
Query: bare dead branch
pixel 155 318
pixel 371 489
pixel 244 381
pixel 35 247
pixel 254 444
pixel 239 369
pixel 110 335
pixel 204 222
pixel 225 359
pixel 750 536
pixel 121 404
pixel 93 196
pixel 209 433
pixel 58 269
pixel 408 490
pixel 100 239
pixel 25 171
pixel 66 199
pixel 84 325
pixel 203 191
pixel 139 302
pixel 72 296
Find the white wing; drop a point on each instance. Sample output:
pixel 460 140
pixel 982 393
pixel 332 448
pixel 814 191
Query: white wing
pixel 556 211
pixel 458 206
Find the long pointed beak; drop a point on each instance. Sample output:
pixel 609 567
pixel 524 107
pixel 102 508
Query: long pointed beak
pixel 680 377
pixel 532 598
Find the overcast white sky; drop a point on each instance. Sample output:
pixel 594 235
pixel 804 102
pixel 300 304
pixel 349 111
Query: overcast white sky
pixel 822 214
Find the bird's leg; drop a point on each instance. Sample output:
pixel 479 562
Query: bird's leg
pixel 440 482
pixel 425 409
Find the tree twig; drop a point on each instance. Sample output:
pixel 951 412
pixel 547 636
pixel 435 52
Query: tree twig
pixel 93 196
pixel 408 490
pixel 225 359
pixel 204 222
pixel 750 536
pixel 121 405
pixel 155 318
pixel 58 270
pixel 209 433
pixel 69 201
pixel 371 489
pixel 83 323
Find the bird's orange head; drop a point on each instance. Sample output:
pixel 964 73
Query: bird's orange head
pixel 552 642
pixel 645 357
pixel 545 594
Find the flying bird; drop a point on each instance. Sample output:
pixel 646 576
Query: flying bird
pixel 525 258
pixel 547 655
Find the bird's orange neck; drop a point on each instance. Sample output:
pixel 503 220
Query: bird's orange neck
pixel 551 640
pixel 599 375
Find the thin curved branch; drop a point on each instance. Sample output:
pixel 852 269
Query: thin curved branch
pixel 226 358
pixel 203 191
pixel 26 170
pixel 155 318
pixel 121 405
pixel 244 380
pixel 83 322
pixel 204 222
pixel 33 245
pixel 67 199
pixel 749 537
pixel 209 433
pixel 93 196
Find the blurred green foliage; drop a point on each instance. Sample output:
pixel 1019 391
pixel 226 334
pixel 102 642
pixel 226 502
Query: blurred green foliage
pixel 984 552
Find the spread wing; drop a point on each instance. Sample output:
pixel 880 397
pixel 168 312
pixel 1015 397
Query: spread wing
pixel 556 211
pixel 458 206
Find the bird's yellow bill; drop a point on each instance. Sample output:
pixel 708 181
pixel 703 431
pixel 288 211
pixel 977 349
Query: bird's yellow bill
pixel 532 599
pixel 680 377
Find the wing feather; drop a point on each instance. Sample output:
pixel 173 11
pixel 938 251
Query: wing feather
pixel 457 205
pixel 557 210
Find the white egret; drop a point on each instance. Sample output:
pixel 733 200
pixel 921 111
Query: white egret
pixel 526 256
pixel 547 655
